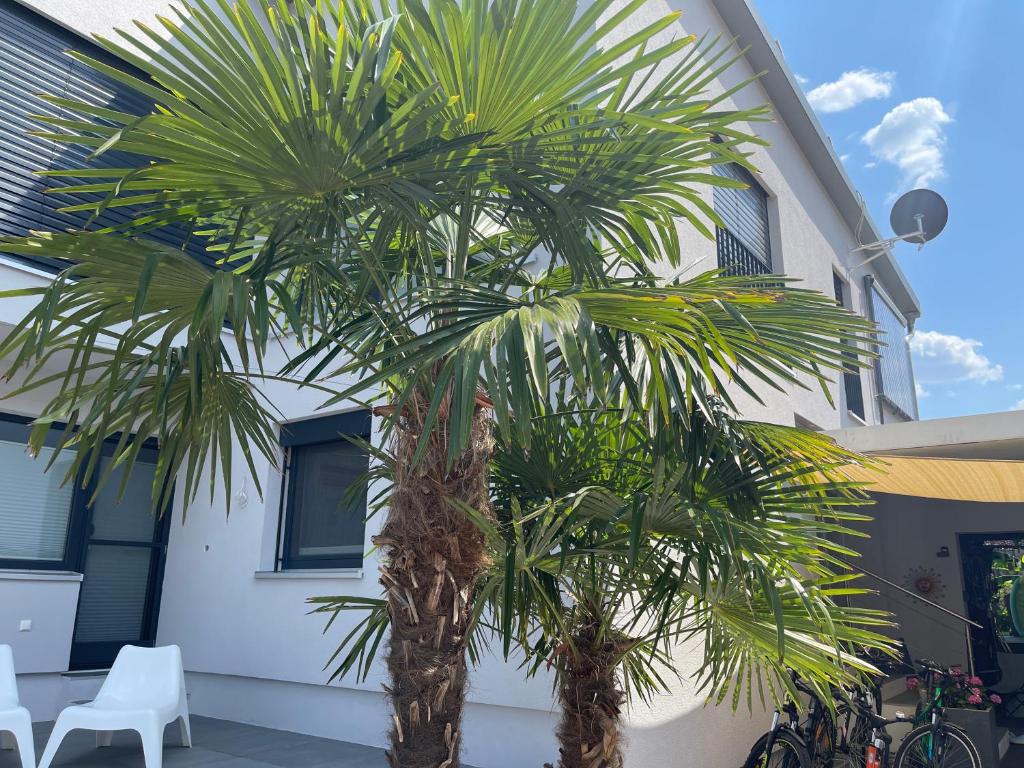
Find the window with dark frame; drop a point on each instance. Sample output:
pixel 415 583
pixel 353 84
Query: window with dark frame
pixel 45 522
pixel 38 510
pixel 852 384
pixel 743 245
pixel 894 371
pixel 323 508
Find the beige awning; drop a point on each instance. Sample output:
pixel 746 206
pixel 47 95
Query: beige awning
pixel 955 479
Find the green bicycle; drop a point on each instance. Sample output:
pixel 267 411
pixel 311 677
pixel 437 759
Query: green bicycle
pixel 935 742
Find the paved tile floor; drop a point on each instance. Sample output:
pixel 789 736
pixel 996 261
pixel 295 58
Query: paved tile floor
pixel 217 744
pixel 226 744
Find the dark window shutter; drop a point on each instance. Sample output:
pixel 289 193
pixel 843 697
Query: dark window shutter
pixel 745 213
pixel 33 62
pixel 851 373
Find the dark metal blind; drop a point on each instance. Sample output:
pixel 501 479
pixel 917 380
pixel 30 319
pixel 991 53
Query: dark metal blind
pixel 895 376
pixel 735 258
pixel 327 429
pixel 851 373
pixel 33 62
pixel 745 212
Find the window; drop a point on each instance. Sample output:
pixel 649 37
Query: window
pixel 744 246
pixel 45 522
pixel 36 506
pixel 851 374
pixel 33 62
pixel 324 505
pixel 893 370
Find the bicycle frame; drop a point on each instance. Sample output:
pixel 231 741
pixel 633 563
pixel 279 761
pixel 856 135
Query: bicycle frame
pixel 933 711
pixel 934 703
pixel 794 724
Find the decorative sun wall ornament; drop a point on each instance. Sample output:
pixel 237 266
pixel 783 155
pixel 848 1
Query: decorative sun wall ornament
pixel 925 582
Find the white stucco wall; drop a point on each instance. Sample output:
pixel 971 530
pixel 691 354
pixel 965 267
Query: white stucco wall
pixel 47 602
pixel 907 534
pixel 100 17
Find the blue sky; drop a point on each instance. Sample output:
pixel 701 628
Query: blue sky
pixel 931 93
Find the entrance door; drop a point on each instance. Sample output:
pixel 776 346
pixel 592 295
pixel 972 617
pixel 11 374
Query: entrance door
pixel 123 553
pixel 993 568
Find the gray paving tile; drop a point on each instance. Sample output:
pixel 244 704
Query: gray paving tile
pixel 330 755
pixel 217 744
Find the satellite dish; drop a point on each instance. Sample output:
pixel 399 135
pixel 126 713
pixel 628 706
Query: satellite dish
pixel 919 216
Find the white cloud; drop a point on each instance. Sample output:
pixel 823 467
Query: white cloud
pixel 1019 406
pixel 943 358
pixel 851 89
pixel 801 79
pixel 920 391
pixel 1015 387
pixel 911 137
pixel 844 158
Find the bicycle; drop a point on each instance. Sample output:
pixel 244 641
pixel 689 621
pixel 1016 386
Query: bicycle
pixel 854 735
pixel 792 743
pixel 854 726
pixel 933 742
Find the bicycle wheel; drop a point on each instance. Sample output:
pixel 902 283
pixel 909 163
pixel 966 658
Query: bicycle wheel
pixel 822 739
pixel 853 737
pixel 950 748
pixel 788 751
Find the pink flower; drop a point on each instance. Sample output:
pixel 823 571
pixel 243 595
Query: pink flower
pixel 975 681
pixel 995 698
pixel 956 671
pixel 974 699
pixel 913 682
pixel 975 691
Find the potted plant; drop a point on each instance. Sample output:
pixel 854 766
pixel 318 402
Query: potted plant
pixel 971 706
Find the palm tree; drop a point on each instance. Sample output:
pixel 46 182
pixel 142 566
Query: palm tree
pixel 612 544
pixel 442 207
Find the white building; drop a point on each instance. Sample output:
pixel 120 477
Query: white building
pixel 75 584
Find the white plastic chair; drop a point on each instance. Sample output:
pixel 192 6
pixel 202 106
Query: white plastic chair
pixel 14 718
pixel 144 692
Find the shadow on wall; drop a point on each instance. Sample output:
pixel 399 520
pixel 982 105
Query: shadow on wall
pixel 707 736
pixel 907 539
pixel 678 730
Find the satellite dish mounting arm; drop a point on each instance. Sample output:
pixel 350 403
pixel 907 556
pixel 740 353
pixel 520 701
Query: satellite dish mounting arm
pixel 882 246
pixel 917 217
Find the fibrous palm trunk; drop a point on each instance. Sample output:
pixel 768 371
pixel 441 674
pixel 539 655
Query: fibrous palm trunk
pixel 433 557
pixel 589 734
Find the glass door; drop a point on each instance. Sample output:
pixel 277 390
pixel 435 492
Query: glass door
pixel 993 570
pixel 123 553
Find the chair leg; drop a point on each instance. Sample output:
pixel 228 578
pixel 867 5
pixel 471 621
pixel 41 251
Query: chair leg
pixel 60 730
pixel 186 730
pixel 103 738
pixel 22 733
pixel 153 745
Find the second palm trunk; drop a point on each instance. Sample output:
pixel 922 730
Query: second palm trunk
pixel 589 734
